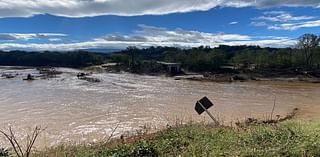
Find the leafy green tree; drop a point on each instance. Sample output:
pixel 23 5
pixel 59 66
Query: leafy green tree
pixel 262 58
pixel 120 58
pixel 217 59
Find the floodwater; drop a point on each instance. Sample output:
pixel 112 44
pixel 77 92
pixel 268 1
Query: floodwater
pixel 76 111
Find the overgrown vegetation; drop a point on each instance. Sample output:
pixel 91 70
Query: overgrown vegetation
pixel 289 138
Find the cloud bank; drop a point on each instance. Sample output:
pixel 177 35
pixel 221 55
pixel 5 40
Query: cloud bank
pixel 84 8
pixel 295 26
pixel 280 20
pixel 281 16
pixel 30 36
pixel 148 36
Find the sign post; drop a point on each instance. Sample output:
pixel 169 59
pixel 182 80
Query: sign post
pixel 203 105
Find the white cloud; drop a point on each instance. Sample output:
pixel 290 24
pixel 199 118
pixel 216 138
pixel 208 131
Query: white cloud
pixel 280 20
pixel 28 36
pixel 281 16
pixel 295 26
pixel 258 24
pixel 272 3
pixel 81 8
pixel 159 35
pixel 274 12
pixel 156 36
pixel 55 39
pixel 233 23
pixel 279 42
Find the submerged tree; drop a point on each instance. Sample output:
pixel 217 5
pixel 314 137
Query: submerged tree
pixel 132 52
pixel 308 43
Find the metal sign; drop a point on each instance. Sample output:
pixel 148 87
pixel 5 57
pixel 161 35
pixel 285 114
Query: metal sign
pixel 203 105
pixel 206 104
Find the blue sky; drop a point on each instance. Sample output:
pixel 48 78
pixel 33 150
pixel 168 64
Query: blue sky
pixel 76 24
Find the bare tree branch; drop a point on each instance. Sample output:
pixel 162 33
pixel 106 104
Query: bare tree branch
pixel 16 145
pixel 112 132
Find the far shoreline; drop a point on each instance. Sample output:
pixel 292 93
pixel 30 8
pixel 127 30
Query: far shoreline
pixel 190 76
pixel 215 77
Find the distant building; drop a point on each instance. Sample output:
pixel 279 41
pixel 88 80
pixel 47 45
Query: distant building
pixel 172 68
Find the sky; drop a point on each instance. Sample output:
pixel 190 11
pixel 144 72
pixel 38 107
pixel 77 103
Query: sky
pixel 38 25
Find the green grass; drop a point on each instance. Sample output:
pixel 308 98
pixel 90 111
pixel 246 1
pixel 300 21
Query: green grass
pixel 290 138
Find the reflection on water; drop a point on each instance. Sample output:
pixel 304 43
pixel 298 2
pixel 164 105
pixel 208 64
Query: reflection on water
pixel 76 110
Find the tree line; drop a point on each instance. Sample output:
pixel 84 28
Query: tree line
pixel 56 59
pixel 305 55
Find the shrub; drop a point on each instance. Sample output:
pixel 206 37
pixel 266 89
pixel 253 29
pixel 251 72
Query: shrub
pixel 4 152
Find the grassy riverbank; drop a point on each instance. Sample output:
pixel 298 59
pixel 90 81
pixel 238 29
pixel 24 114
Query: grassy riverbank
pixel 289 138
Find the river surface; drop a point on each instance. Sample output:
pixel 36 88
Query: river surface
pixel 74 110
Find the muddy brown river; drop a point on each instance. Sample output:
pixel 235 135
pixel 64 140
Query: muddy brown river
pixel 74 110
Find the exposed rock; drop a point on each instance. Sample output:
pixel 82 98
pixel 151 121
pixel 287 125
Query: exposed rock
pixel 47 73
pixel 8 76
pixel 90 79
pixel 29 78
pixel 80 75
pixel 241 77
